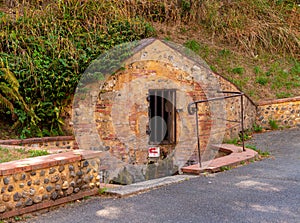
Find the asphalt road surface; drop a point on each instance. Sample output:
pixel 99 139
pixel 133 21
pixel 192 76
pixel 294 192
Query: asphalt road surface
pixel 264 191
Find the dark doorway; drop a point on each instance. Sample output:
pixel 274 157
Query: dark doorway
pixel 162 116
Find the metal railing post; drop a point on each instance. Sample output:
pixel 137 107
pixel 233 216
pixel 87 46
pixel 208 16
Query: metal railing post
pixel 192 111
pixel 242 121
pixel 198 136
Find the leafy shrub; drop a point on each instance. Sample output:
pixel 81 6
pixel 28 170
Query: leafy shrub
pixel 47 48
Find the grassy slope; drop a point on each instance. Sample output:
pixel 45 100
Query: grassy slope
pixel 253 43
pixel 262 77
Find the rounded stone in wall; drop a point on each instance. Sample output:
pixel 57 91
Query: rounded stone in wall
pixel 38 199
pixel 6 197
pixel 2 208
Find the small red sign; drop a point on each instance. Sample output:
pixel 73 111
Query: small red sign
pixel 154 152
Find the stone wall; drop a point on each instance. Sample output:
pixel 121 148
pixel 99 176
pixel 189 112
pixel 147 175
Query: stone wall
pixel 233 110
pixel 111 115
pixel 58 142
pixel 122 116
pixel 35 183
pixel 285 112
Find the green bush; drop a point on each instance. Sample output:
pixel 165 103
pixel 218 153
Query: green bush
pixel 48 48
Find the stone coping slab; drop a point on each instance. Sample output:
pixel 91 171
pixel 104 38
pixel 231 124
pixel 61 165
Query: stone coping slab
pixel 123 191
pixel 278 101
pixel 46 161
pixel 36 140
pixel 235 158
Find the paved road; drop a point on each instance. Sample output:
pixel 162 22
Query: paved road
pixel 265 191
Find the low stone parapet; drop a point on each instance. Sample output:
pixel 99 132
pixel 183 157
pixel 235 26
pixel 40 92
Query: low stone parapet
pixel 61 142
pixel 35 183
pixel 284 112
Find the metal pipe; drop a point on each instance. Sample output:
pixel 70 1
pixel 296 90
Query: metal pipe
pixel 242 122
pixel 155 117
pixel 162 110
pixel 198 137
pixel 192 111
pixel 174 118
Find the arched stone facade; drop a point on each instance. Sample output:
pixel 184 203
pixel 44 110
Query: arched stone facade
pixel 113 115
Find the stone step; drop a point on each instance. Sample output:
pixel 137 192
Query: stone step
pixel 235 157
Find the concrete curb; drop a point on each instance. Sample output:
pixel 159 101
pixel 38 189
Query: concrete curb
pixel 144 186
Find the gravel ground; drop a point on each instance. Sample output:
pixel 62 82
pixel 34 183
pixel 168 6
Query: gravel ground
pixel 264 191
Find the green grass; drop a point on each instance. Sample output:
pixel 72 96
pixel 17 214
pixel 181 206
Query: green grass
pixel 225 53
pixel 51 44
pixel 283 95
pixel 102 190
pixel 238 140
pixel 234 141
pixel 17 218
pixel 193 45
pixel 224 168
pixel 7 155
pixel 257 70
pixel 257 128
pixel 64 38
pixel 35 153
pixel 262 80
pixel 238 70
pixel 260 152
pixel 86 197
pixel 273 124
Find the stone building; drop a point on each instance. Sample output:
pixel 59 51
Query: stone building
pixel 136 111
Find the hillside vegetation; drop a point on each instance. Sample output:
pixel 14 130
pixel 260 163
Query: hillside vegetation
pixel 45 45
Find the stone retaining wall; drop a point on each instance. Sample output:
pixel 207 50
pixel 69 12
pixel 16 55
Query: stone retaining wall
pixel 35 183
pixel 285 112
pixel 58 142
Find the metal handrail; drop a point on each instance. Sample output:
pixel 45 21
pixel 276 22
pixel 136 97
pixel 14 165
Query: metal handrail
pixel 193 110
